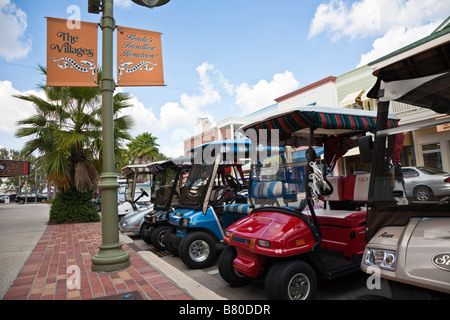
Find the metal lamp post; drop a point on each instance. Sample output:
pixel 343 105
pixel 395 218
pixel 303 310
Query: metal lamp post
pixel 111 256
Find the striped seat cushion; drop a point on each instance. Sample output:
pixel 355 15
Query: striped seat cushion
pixel 267 190
pixel 238 208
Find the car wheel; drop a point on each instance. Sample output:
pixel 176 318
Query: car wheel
pixel 197 250
pixel 21 201
pixel 168 244
pixel 158 237
pixel 423 193
pixel 226 268
pixel 291 280
pixel 145 234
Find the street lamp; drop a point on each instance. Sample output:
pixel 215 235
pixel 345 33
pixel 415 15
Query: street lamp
pixel 111 256
pixel 151 3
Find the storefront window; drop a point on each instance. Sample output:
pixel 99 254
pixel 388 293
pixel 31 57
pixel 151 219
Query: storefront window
pixel 431 154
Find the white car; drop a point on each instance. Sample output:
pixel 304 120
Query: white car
pixel 424 183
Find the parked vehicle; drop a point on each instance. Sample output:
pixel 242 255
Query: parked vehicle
pixel 290 237
pixel 197 221
pixel 137 189
pixel 168 183
pixel 31 197
pixel 424 183
pixel 408 239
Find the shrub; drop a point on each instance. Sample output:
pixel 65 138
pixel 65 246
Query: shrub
pixel 73 206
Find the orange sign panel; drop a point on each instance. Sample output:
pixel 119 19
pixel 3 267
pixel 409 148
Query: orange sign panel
pixel 71 54
pixel 139 58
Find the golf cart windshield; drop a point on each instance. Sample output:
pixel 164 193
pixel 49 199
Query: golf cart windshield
pixel 275 183
pixel 306 133
pixel 162 186
pixel 417 76
pixel 196 185
pixel 138 177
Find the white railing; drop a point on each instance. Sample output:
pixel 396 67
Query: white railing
pixel 400 107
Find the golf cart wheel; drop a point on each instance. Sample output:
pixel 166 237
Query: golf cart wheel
pixel 145 233
pixel 291 280
pixel 197 250
pixel 169 247
pixel 226 268
pixel 158 237
pixel 423 193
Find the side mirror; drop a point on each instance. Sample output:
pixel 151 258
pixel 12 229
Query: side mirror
pixel 365 148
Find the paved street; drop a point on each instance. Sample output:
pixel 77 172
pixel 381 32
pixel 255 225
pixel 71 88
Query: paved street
pixel 346 288
pixel 18 239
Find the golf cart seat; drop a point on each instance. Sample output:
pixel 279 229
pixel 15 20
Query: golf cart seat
pixel 349 191
pixel 260 190
pixel 337 182
pixel 357 187
pixel 344 229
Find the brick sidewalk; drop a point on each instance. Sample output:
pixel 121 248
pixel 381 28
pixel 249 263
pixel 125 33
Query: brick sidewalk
pixel 44 275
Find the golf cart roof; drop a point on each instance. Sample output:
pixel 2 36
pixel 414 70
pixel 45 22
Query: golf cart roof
pixel 329 120
pixel 418 74
pixel 235 145
pixel 156 167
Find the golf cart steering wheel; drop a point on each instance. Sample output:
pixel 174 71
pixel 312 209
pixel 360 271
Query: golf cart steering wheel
pixel 143 192
pixel 233 182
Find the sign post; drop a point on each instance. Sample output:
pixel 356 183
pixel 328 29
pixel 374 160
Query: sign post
pixel 111 256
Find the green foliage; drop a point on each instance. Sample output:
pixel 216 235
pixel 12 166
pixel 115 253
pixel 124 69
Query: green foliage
pixel 73 206
pixel 143 148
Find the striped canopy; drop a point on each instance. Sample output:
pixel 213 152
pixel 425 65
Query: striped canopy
pixel 315 117
pixel 156 167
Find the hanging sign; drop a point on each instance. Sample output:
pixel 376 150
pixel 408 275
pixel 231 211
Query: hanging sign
pixel 139 58
pixel 14 168
pixel 71 54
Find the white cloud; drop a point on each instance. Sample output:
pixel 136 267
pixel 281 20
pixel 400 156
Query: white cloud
pixel 254 97
pixel 14 42
pixel 175 121
pixel 374 17
pixel 14 108
pixel 396 23
pixel 395 39
pixel 123 3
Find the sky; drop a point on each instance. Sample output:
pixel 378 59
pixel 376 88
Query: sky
pixel 220 58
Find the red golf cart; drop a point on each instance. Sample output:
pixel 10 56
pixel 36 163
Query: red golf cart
pixel 301 221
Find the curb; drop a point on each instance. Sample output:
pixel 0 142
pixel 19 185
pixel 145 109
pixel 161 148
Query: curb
pixel 189 285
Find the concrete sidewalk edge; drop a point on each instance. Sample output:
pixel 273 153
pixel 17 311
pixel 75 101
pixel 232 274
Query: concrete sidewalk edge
pixel 189 285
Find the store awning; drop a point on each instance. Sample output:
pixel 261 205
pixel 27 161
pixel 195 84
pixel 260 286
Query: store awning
pixel 351 98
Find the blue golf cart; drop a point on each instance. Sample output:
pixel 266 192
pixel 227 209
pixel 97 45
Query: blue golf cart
pixel 216 179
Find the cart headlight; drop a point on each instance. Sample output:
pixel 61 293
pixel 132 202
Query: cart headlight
pixel 153 219
pixel 264 243
pixel 384 259
pixel 185 222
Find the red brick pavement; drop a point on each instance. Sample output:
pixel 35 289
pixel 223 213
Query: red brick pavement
pixel 45 274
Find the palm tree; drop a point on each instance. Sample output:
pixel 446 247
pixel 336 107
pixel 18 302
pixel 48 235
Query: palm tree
pixel 143 148
pixel 66 133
